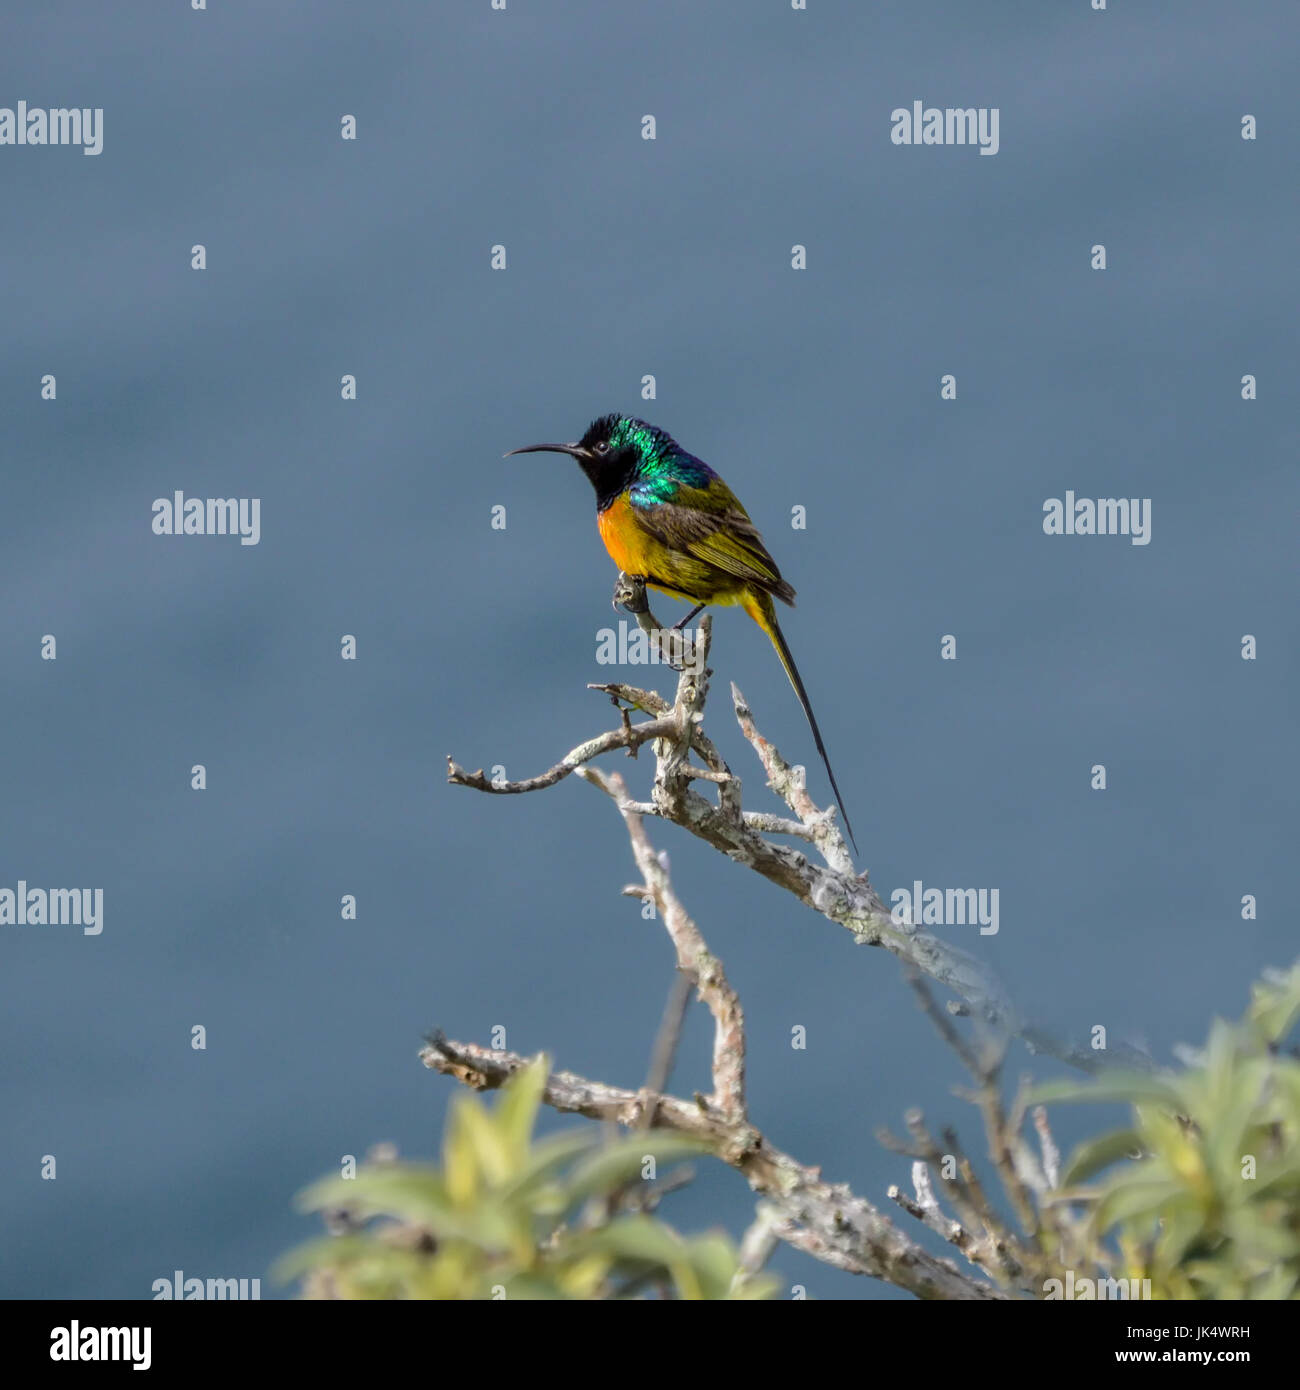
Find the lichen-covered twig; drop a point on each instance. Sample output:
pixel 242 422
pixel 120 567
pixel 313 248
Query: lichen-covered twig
pixel 831 887
pixel 1049 1236
pixel 825 1220
pixel 693 956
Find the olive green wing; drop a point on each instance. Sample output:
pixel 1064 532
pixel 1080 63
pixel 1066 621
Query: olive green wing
pixel 710 525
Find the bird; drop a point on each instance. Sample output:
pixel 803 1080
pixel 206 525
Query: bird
pixel 667 517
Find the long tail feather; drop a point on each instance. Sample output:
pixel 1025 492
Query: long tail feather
pixel 759 607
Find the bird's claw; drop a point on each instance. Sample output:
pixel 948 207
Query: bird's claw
pixel 675 647
pixel 629 593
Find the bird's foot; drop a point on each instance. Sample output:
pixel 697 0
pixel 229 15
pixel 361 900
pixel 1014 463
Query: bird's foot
pixel 675 648
pixel 629 593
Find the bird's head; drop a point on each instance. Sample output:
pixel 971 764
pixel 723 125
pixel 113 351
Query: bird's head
pixel 615 450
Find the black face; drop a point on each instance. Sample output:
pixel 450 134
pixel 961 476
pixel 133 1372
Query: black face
pixel 601 435
pixel 604 455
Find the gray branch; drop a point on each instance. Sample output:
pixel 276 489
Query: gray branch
pixel 830 887
pixel 825 1220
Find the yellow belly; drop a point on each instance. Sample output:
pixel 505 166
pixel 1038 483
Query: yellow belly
pixel 672 572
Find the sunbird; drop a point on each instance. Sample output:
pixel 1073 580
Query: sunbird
pixel 666 516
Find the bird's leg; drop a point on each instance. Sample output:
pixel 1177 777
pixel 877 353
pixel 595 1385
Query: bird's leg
pixel 684 648
pixel 699 608
pixel 675 649
pixel 629 593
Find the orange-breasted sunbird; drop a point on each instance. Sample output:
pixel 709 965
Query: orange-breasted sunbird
pixel 667 517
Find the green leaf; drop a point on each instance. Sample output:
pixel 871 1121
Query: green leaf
pixel 548 1156
pixel 715 1262
pixel 1128 1200
pixel 412 1193
pixel 1275 1005
pixel 1131 1088
pixel 1277 1285
pixel 1227 1123
pixel 516 1111
pixel 1095 1154
pixel 460 1166
pixel 494 1155
pixel 319 1253
pixel 376 1185
pixel 1183 1225
pixel 637 1238
pixel 534 1287
pixel 621 1161
pixel 1220 1066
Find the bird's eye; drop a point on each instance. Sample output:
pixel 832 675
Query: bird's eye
pixel 602 447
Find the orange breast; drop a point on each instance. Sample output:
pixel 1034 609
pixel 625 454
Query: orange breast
pixel 630 548
pixel 673 572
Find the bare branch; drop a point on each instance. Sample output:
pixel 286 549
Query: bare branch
pixel 829 1222
pixel 820 825
pixel 667 1041
pixel 760 1238
pixel 826 1220
pixel 830 888
pixel 693 956
pixel 630 736
pixel 925 1208
pixel 1051 1154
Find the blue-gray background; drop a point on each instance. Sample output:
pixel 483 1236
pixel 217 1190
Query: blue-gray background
pixel 819 388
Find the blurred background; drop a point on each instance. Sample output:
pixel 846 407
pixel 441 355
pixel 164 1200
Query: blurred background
pixel 819 389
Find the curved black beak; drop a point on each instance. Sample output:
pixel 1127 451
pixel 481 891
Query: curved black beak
pixel 573 450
